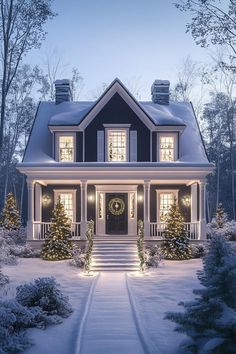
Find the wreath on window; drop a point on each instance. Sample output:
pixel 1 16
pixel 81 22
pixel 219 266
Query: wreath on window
pixel 116 206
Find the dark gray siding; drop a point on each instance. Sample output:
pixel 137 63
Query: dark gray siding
pixel 117 111
pixel 183 190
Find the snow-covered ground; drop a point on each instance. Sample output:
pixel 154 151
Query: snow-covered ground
pixel 134 303
pixel 157 292
pixel 59 339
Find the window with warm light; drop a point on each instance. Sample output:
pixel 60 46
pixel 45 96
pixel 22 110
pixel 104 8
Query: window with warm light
pixel 66 148
pixel 68 200
pixel 117 145
pixel 167 148
pixel 166 200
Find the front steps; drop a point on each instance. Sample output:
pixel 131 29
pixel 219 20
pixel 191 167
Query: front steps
pixel 115 253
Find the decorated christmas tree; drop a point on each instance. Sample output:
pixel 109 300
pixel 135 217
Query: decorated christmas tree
pixel 209 320
pixel 221 217
pixel 10 218
pixel 176 244
pixel 57 245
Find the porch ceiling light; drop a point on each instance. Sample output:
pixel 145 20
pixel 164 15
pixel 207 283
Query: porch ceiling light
pixel 46 200
pixel 186 200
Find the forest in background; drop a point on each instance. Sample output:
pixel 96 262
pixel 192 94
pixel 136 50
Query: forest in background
pixel 211 88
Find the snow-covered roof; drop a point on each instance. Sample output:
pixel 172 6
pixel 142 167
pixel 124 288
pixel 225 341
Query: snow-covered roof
pixel 39 149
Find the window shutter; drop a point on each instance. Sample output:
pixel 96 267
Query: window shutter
pixel 133 145
pixel 100 146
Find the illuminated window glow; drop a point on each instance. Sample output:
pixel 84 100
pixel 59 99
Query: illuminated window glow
pixel 167 148
pixel 67 202
pixel 117 145
pixel 100 205
pixel 132 205
pixel 66 148
pixel 166 200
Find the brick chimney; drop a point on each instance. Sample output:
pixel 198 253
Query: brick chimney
pixel 62 91
pixel 160 91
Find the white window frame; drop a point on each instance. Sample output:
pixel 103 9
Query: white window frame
pixel 119 128
pixel 57 139
pixel 57 192
pixel 165 134
pixel 164 191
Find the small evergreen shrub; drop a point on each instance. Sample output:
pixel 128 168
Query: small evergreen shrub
pixel 3 279
pixel 78 259
pixel 45 299
pixel 14 318
pixel 6 256
pixel 25 251
pixel 221 225
pixel 198 250
pixel 153 256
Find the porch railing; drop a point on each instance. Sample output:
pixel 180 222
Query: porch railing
pixel 192 228
pixel 41 228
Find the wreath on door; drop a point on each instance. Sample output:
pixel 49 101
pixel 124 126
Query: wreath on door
pixel 116 206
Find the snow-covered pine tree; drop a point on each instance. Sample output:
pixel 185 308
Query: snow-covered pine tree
pixel 175 245
pixel 220 219
pixel 57 245
pixel 10 218
pixel 209 321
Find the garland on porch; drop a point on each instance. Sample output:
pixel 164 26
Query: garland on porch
pixel 141 252
pixel 89 248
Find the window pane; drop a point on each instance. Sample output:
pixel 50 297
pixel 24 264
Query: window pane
pixel 66 148
pixel 167 148
pixel 67 201
pixel 117 145
pixel 166 200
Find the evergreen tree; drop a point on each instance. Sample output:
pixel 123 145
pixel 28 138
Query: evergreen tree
pixel 176 244
pixel 10 218
pixel 57 245
pixel 210 320
pixel 221 217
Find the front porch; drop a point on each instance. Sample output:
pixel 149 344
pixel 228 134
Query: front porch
pixel 97 199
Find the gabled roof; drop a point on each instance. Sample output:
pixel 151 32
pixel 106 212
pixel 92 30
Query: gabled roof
pixel 79 114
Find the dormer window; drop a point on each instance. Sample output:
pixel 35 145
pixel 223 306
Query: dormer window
pixel 117 145
pixel 168 146
pixel 65 147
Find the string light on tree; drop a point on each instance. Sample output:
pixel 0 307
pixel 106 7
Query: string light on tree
pixel 10 218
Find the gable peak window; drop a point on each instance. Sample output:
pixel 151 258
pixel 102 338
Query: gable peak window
pixel 167 147
pixel 117 145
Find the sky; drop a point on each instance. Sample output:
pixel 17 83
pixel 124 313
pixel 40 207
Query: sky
pixel 137 41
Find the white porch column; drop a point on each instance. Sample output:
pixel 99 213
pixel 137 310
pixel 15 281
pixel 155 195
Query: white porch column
pixel 38 202
pixel 83 223
pixel 30 222
pixel 194 202
pixel 202 209
pixel 146 201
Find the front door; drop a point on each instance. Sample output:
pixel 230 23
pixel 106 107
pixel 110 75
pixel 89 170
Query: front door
pixel 116 213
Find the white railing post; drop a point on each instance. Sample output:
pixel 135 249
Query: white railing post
pixel 30 221
pixel 146 187
pixel 83 224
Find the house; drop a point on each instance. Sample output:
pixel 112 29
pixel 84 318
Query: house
pixel 115 160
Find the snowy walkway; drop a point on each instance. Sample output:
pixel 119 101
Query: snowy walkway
pixel 110 325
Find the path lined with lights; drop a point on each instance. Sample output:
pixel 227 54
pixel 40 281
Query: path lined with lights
pixel 110 326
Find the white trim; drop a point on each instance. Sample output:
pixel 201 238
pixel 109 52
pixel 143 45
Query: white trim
pixel 38 202
pixel 57 137
pixel 62 128
pixel 100 145
pixel 160 191
pixel 121 128
pixel 117 88
pixel 194 191
pixel 73 192
pixel 165 134
pixel 171 128
pixel 116 126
